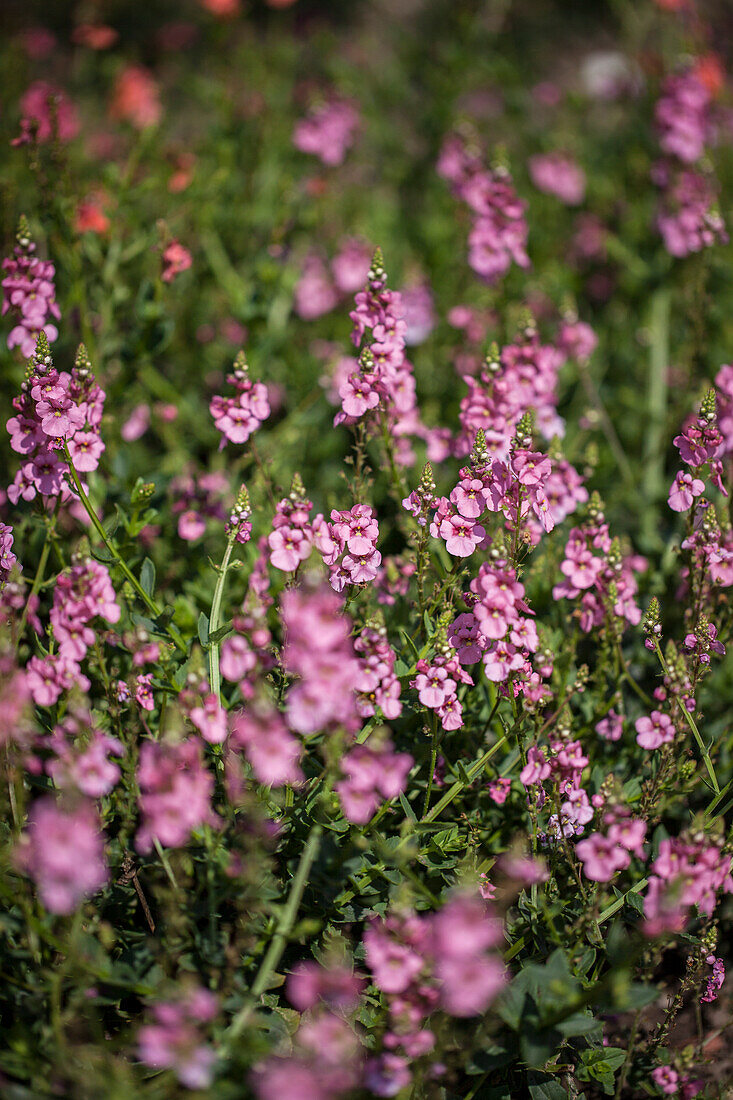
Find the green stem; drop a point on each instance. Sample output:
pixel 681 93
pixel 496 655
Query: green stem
pixel 130 576
pixel 214 618
pixel 459 785
pixel 433 762
pixel 693 726
pixel 40 571
pixel 280 939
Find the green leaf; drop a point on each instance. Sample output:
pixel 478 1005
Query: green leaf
pixel 544 1087
pixel 203 628
pixel 147 577
pixel 222 632
pixel 409 812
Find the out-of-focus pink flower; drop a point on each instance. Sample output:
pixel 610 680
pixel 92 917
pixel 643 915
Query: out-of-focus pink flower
pixel 556 174
pixel 90 216
pixel 222 9
pixel 135 98
pixel 136 424
pixel 95 36
pixel 176 259
pixel 63 852
pixel 41 102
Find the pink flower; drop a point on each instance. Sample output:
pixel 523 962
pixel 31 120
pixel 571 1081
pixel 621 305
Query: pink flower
pixel 558 175
pixel 62 850
pixel 175 793
pixel 173 1039
pixel 35 106
pixel 611 727
pixel 176 259
pixel 602 857
pixel 272 751
pixel 327 131
pixel 135 98
pixel 654 731
pixel 536 769
pixel 666 1079
pixel 683 491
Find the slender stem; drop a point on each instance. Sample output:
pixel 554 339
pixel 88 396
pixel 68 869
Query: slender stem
pixel 280 939
pixel 433 762
pixel 214 618
pixel 458 786
pixel 40 571
pixel 150 603
pixel 693 726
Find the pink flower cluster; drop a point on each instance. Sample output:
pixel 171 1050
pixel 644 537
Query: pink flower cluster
pixel 238 417
pixel 46 113
pixel 603 856
pixel 498 628
pixel 354 558
pixel 689 219
pixel 197 499
pixel 563 768
pixel 325 1064
pixel 377 685
pixel 8 560
pixel 81 594
pixel 373 772
pixel 422 964
pixel 319 290
pixel 272 751
pixel 62 850
pixel 559 175
pixel 29 294
pixel 682 116
pixel 173 1040
pixel 715 980
pixel 595 570
pixel 436 684
pixel 384 379
pixel 318 650
pixel 175 260
pixel 55 407
pixel 294 534
pixel 85 767
pixel 327 131
pixel 686 872
pixel 175 793
pixel 498 236
pixel 523 377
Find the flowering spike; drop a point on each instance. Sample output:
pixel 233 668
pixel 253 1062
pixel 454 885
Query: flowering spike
pixel 480 456
pixel 366 360
pixel 377 274
pixel 42 360
pixel 492 362
pixel 240 366
pixel 523 433
pixel 594 508
pixel 238 525
pixel 708 407
pixel 23 234
pixel 297 488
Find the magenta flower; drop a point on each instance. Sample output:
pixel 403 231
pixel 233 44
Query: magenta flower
pixel 655 730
